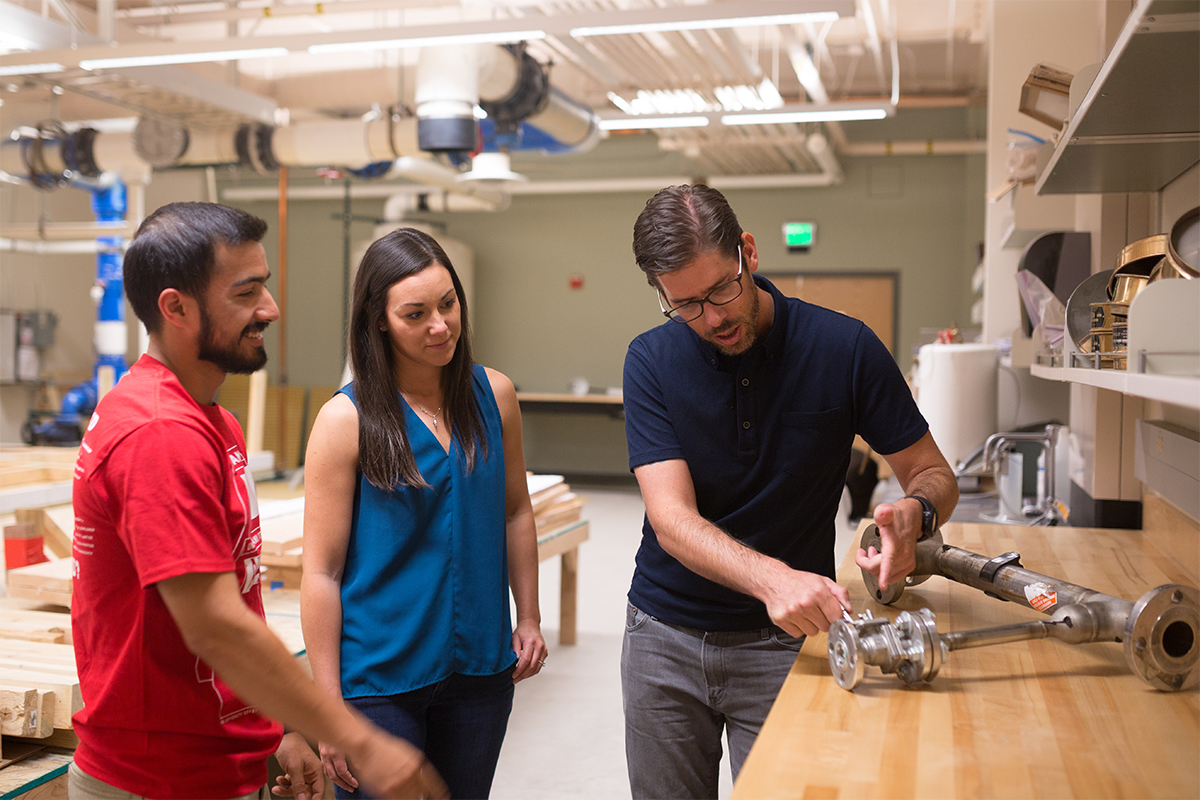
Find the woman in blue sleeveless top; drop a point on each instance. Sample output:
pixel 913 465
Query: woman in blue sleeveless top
pixel 417 521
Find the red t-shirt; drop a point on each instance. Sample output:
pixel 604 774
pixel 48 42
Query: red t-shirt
pixel 161 490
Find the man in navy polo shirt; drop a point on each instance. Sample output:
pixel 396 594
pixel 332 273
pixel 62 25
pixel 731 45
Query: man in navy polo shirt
pixel 740 422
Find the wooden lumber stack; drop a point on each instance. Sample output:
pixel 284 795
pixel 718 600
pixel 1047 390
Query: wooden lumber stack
pixel 39 685
pixel 282 526
pixel 24 465
pixel 48 582
pixel 554 504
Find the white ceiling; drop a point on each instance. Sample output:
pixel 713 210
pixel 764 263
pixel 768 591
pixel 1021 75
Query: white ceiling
pixel 939 49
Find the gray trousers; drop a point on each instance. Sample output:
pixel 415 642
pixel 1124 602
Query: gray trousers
pixel 681 688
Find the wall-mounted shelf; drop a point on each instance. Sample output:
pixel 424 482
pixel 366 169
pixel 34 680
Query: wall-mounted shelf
pixel 1138 126
pixel 1164 325
pixel 1164 388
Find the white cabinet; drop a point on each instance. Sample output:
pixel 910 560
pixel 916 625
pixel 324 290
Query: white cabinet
pixel 1136 128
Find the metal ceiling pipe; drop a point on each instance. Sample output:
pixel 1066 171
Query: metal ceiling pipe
pixel 446 95
pixel 82 246
pixel 117 152
pixel 431 173
pixel 569 121
pixel 452 80
pixel 403 203
pixel 350 142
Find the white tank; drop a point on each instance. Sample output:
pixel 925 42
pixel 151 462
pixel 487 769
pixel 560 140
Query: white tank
pixel 956 392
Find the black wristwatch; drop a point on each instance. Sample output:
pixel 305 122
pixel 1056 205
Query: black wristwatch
pixel 929 515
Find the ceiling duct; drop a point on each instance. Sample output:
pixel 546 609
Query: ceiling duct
pixel 520 96
pixel 446 95
pixel 511 87
pixel 451 82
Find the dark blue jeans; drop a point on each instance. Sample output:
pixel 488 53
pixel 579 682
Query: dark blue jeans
pixel 459 722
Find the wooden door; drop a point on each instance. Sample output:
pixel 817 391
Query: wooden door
pixel 868 297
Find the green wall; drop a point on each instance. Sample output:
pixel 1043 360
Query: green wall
pixel 919 216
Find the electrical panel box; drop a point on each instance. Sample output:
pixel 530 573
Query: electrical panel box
pixel 36 328
pixel 8 346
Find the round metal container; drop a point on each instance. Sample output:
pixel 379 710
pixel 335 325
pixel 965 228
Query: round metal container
pixel 1183 247
pixel 1137 259
pixel 1123 288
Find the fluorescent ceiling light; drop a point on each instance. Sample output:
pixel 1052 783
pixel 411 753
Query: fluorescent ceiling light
pixel 182 58
pixel 705 24
pixel 828 115
pixel 688 101
pixel 494 37
pixel 10 41
pixel 644 123
pixel 31 69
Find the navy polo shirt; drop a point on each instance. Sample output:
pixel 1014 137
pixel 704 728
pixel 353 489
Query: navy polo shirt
pixel 766 436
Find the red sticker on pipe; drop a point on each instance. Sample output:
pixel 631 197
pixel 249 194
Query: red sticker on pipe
pixel 1041 595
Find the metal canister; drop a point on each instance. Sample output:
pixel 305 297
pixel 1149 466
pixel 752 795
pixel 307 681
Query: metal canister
pixel 1126 287
pixel 1101 339
pixel 1105 315
pixel 1120 337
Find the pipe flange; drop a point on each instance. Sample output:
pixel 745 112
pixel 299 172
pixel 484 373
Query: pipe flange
pixel 262 151
pixel 844 657
pixel 1161 644
pixel 922 647
pixel 160 142
pixel 871 538
pixel 530 96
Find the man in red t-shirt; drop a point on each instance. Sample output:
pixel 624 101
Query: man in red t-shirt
pixel 174 657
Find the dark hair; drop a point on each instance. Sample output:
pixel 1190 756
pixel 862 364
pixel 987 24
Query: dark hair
pixel 176 248
pixel 384 453
pixel 681 223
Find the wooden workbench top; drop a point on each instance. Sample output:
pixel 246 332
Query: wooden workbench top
pixel 1026 719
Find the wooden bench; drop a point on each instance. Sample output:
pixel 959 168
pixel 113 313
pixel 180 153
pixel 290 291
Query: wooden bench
pixel 565 541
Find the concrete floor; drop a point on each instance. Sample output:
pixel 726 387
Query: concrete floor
pixel 566 734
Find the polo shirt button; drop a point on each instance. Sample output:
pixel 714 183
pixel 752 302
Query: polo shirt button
pixel 745 381
pixel 746 424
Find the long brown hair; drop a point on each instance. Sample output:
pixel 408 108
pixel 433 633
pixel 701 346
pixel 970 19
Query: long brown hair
pixel 384 453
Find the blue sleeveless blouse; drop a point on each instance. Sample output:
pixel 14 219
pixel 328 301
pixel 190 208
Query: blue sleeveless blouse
pixel 425 586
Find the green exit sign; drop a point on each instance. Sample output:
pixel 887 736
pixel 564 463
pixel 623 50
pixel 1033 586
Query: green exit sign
pixel 798 237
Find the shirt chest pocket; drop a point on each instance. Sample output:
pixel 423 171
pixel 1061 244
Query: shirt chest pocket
pixel 811 442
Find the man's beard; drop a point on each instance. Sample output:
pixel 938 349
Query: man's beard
pixel 750 331
pixel 230 359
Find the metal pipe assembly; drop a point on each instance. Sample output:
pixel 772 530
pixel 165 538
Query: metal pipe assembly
pixel 1159 631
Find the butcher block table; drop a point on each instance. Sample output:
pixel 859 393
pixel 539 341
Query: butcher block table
pixel 1032 719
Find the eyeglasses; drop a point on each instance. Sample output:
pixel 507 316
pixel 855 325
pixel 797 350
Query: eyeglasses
pixel 725 293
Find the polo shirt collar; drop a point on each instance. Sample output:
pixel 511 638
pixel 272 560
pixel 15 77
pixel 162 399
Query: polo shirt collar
pixel 766 347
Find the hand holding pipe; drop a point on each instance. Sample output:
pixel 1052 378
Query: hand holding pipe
pixel 1159 631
